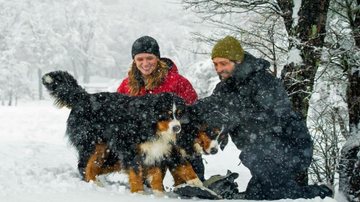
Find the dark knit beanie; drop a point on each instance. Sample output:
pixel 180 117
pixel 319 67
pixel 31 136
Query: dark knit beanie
pixel 145 44
pixel 229 48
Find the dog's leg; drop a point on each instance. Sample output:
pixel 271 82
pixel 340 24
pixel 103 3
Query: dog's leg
pixel 96 160
pixel 177 179
pixel 110 169
pixel 136 180
pixel 155 177
pixel 185 173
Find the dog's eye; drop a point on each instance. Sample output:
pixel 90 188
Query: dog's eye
pixel 164 116
pixel 179 112
pixel 212 133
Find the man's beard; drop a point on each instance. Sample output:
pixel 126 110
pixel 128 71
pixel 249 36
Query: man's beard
pixel 227 73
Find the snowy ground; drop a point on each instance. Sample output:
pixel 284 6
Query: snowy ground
pixel 38 164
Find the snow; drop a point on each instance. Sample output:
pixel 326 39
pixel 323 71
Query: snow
pixel 38 164
pixel 296 8
pixel 294 56
pixel 202 76
pixel 352 142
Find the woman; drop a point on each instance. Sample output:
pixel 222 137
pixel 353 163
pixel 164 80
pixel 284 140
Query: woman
pixel 149 73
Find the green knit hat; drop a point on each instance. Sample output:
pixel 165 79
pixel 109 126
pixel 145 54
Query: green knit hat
pixel 228 47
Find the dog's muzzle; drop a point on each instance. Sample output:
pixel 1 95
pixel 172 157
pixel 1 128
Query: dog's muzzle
pixel 176 128
pixel 213 150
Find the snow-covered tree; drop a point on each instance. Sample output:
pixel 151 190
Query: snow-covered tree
pixel 80 23
pixel 13 82
pixel 327 121
pixel 13 77
pixel 345 49
pixel 48 35
pixel 257 25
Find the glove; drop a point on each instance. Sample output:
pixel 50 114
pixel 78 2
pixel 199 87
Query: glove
pixel 225 186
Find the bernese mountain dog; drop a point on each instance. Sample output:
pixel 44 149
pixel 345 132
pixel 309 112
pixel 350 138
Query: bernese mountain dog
pixel 112 131
pixel 187 147
pixel 195 139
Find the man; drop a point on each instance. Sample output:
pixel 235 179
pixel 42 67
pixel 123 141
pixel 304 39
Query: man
pixel 253 105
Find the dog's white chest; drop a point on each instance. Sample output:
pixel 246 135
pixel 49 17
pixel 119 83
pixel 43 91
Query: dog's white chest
pixel 156 151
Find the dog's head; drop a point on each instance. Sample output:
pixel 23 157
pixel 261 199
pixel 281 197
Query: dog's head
pixel 208 139
pixel 198 136
pixel 166 111
pixel 214 126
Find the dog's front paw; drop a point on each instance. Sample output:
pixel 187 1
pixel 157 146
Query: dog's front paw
pixel 158 193
pixel 196 182
pixel 97 182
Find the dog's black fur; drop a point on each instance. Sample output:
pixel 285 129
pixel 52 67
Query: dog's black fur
pixel 120 121
pixel 120 125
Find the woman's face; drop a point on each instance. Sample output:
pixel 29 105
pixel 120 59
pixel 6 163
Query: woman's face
pixel 146 63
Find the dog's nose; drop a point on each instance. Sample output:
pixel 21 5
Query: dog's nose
pixel 176 129
pixel 213 150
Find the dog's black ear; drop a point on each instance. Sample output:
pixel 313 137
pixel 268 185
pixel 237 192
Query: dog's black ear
pixel 223 140
pixel 183 113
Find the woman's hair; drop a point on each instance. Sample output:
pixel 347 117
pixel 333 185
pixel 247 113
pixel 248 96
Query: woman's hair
pixel 136 80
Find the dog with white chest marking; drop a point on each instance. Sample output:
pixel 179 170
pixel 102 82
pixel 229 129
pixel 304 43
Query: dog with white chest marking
pixel 112 131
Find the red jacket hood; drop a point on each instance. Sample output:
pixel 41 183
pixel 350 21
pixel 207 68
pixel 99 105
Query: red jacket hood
pixel 172 66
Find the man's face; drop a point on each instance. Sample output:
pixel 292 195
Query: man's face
pixel 224 67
